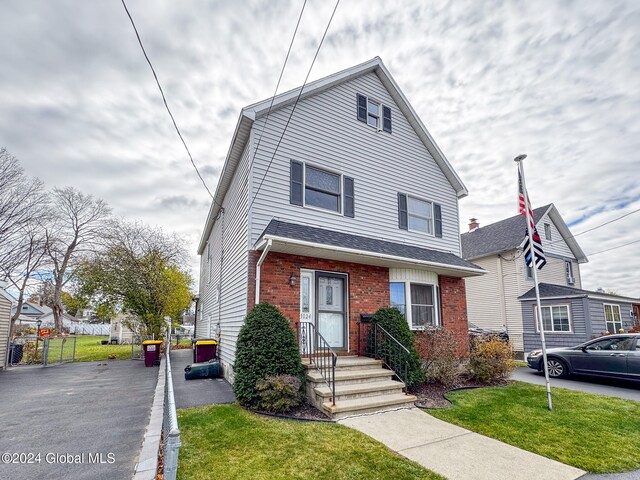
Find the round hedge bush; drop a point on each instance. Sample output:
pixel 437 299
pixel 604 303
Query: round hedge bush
pixel 392 320
pixel 266 347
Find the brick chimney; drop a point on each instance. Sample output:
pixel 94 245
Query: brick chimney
pixel 473 224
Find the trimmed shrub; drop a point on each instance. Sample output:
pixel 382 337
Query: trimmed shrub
pixel 491 360
pixel 279 393
pixel 266 347
pixel 392 320
pixel 439 357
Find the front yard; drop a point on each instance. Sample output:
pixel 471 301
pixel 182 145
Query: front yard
pixel 225 441
pixel 592 432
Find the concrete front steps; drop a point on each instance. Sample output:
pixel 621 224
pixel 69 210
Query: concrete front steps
pixel 362 386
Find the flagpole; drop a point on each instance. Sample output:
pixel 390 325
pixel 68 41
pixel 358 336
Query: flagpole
pixel 534 269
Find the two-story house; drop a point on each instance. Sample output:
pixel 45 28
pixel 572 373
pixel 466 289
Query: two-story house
pixel 339 208
pixel 505 296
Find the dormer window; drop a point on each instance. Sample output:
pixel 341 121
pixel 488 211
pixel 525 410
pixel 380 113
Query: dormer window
pixel 374 113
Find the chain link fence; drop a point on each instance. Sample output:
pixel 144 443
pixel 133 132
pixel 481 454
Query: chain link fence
pixel 170 430
pixel 32 350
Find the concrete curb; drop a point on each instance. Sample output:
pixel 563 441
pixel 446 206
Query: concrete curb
pixel 147 464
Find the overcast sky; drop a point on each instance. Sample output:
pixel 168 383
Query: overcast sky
pixel 559 81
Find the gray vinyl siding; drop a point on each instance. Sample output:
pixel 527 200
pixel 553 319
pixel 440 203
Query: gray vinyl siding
pixel 325 132
pixel 579 330
pixel 596 312
pixel 5 323
pixel 229 270
pixel 553 272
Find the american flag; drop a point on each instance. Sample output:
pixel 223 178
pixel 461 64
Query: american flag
pixel 528 251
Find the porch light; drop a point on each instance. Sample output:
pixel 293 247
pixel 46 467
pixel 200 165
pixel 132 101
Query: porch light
pixel 293 280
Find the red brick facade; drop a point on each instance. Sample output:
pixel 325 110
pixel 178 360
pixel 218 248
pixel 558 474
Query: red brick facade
pixel 368 287
pixel 368 291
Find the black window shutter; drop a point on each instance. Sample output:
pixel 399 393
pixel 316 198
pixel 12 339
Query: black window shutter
pixel 349 198
pixel 402 212
pixel 437 219
pixel 386 119
pixel 362 108
pixel 295 190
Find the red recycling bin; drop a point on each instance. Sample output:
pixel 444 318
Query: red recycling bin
pixel 151 352
pixel 204 350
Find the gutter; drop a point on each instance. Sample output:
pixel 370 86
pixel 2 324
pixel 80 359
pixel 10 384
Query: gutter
pixel 260 262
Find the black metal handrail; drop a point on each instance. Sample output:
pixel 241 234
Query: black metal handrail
pixel 320 354
pixel 381 345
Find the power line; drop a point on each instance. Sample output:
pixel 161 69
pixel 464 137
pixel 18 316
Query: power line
pixel 164 99
pixel 596 227
pixel 295 104
pixel 273 98
pixel 613 248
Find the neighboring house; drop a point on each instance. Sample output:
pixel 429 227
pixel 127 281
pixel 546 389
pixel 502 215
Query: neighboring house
pixel 49 321
pixel 357 210
pixel 6 301
pixel 493 299
pixel 572 315
pixel 32 310
pixel 85 315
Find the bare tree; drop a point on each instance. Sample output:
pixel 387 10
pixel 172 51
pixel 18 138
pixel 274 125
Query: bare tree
pixel 23 268
pixel 22 201
pixel 23 214
pixel 79 222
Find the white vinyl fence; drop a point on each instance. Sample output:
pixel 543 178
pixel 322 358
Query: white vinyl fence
pixel 90 329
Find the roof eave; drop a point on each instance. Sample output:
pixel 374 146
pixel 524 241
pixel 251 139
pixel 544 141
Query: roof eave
pixel 465 271
pixel 239 140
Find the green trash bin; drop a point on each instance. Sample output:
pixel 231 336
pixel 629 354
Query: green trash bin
pixel 210 369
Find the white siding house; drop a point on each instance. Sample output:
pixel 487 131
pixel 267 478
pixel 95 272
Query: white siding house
pixel 493 299
pixel 343 190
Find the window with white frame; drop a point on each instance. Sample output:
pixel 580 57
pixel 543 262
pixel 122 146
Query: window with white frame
pixel 418 302
pixel 612 318
pixel 419 215
pixel 555 318
pixel 547 231
pixel 568 268
pixel 373 113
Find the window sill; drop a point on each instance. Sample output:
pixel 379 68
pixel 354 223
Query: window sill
pixel 323 210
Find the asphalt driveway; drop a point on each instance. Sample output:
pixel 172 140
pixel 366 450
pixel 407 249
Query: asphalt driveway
pixel 69 413
pixel 600 386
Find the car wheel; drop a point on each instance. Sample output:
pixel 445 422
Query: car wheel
pixel 557 368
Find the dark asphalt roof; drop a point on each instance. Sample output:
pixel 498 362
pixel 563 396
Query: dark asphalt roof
pixel 548 290
pixel 346 240
pixel 497 237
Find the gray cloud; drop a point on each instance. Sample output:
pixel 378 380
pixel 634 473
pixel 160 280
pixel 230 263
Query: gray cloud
pixel 489 79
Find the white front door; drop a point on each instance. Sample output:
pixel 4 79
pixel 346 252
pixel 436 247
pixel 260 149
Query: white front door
pixel 323 302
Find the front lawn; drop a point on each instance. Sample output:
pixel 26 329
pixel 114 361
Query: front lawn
pixel 225 441
pixel 89 349
pixel 592 432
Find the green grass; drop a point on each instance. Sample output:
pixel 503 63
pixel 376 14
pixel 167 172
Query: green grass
pixel 592 432
pixel 88 349
pixel 225 441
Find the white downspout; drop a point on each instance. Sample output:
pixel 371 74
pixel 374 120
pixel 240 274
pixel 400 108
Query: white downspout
pixel 260 261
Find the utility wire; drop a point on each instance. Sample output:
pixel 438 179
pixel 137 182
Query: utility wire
pixel 295 104
pixel 164 99
pixel 596 227
pixel 273 98
pixel 613 248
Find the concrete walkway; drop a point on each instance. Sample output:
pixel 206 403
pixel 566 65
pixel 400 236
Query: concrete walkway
pixel 455 452
pixel 194 393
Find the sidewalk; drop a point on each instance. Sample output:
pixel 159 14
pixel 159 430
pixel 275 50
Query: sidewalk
pixel 455 452
pixel 194 393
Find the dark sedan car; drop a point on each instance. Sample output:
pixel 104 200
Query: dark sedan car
pixel 616 356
